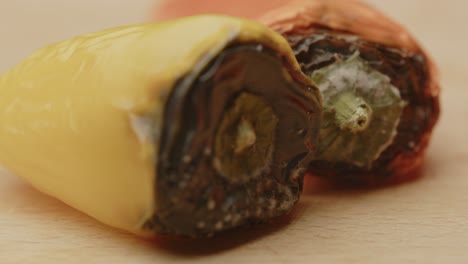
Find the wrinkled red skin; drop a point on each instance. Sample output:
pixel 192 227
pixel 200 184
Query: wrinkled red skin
pixel 348 17
pixel 171 9
pixel 344 17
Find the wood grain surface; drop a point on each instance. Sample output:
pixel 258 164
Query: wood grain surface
pixel 422 221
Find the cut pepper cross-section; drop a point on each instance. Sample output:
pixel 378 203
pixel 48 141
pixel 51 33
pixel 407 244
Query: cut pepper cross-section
pixel 185 127
pixel 380 89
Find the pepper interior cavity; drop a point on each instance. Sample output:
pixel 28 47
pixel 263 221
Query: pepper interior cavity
pixel 237 156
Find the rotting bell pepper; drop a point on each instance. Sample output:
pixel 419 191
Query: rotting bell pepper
pixel 380 89
pixel 186 127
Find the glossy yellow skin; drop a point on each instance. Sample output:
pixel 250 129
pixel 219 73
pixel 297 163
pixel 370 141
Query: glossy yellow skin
pixel 80 120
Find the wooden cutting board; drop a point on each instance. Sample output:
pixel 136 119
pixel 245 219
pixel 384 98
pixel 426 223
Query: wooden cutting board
pixel 423 221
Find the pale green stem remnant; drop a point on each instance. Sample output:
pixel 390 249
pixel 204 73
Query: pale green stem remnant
pixel 246 136
pixel 352 113
pixel 361 112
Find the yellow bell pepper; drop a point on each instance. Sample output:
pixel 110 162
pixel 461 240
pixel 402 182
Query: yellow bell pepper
pixel 84 120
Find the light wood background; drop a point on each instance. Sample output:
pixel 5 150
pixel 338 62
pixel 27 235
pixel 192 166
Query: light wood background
pixel 423 221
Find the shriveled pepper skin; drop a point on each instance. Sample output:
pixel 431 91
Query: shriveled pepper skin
pixel 323 31
pixel 170 9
